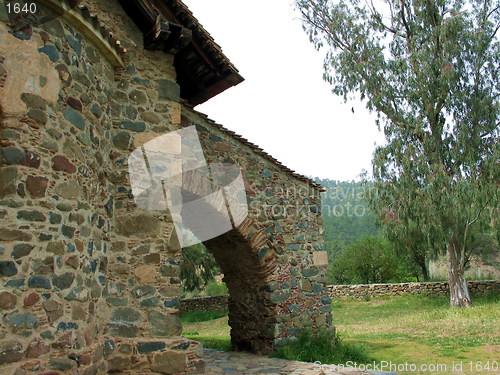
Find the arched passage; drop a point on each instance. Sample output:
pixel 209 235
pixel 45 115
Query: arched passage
pixel 273 292
pixel 246 275
pixel 247 267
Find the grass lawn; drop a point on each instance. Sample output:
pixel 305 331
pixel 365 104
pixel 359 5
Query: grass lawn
pixel 210 327
pixel 424 330
pixel 408 329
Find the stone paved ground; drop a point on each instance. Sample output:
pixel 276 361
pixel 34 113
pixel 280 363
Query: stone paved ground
pixel 246 363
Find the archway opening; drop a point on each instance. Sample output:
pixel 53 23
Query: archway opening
pixel 248 306
pixel 247 270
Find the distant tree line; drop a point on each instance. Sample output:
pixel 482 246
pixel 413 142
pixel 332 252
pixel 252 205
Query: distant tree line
pixel 362 251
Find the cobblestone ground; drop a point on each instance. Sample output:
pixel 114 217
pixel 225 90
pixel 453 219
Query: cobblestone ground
pixel 246 363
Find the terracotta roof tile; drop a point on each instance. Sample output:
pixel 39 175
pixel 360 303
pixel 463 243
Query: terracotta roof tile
pixel 261 152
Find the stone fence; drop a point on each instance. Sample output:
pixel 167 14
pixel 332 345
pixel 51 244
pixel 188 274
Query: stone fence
pixel 429 288
pixel 219 303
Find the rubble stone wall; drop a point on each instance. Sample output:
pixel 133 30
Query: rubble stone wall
pixel 211 303
pixel 429 288
pixel 274 264
pixel 219 303
pixel 88 280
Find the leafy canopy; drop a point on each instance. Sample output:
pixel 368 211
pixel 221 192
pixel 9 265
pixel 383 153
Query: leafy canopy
pixel 198 267
pixel 430 69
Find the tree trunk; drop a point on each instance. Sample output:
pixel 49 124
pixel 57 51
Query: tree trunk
pixel 425 271
pixel 459 292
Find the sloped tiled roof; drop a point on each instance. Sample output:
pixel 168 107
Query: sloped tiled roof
pixel 203 70
pixel 260 151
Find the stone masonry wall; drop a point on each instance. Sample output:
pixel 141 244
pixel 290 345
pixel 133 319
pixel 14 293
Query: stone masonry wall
pixel 219 303
pixel 88 281
pixel 430 288
pixel 276 271
pixel 212 303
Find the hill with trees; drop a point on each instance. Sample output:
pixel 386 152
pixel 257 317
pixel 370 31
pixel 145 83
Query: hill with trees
pixel 346 216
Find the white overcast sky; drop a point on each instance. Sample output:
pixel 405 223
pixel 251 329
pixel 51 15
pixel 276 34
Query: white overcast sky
pixel 284 106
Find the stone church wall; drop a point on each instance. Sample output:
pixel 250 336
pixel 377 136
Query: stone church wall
pixel 87 280
pixel 281 288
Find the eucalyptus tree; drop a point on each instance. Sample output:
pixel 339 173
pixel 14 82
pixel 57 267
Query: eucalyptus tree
pixel 198 267
pixel 430 69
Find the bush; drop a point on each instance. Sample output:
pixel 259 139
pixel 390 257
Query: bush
pixel 214 288
pixel 370 260
pixel 323 346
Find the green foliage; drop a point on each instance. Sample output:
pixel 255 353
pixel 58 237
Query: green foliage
pixel 369 260
pixel 323 346
pixel 430 71
pixel 198 267
pixel 214 288
pixel 201 316
pixel 411 244
pixel 347 217
pixel 484 245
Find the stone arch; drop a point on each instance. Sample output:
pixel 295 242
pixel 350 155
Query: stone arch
pixel 248 262
pixel 247 272
pixel 276 281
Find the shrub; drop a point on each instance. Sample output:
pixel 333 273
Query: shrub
pixel 323 346
pixel 215 288
pixel 370 260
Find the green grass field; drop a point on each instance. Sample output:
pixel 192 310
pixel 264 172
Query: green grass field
pixel 209 327
pixel 408 329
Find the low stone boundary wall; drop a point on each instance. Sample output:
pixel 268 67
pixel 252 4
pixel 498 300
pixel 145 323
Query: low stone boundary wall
pixel 429 288
pixel 219 303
